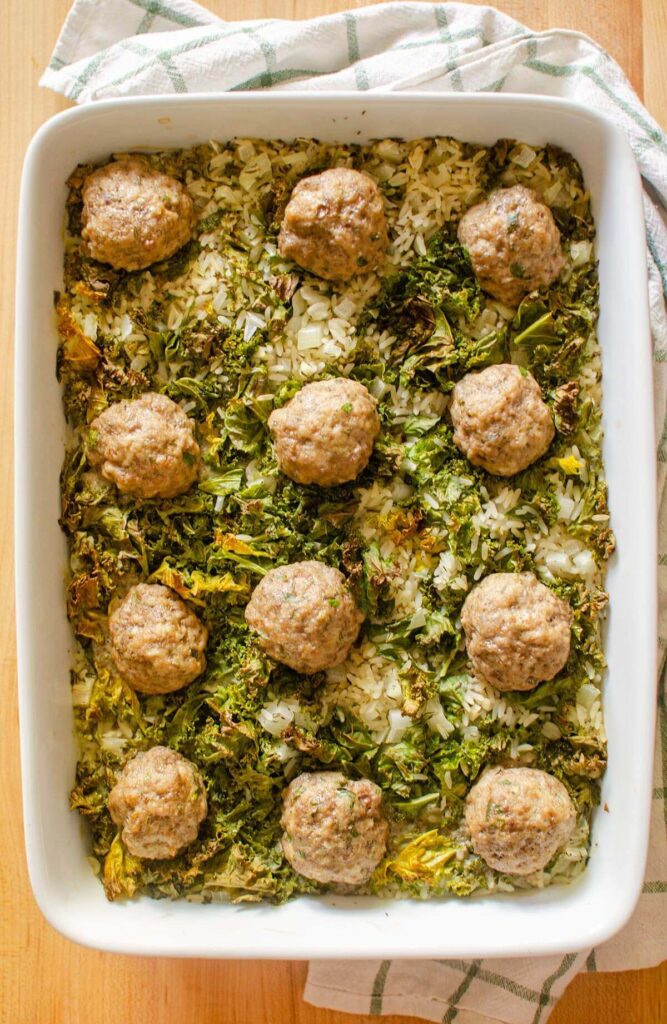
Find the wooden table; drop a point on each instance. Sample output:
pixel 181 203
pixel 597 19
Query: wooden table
pixel 43 978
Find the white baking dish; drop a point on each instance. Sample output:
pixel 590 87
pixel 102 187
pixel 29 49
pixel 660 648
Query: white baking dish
pixel 554 920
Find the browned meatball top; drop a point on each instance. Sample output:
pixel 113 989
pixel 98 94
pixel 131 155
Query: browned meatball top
pixel 133 215
pixel 513 242
pixel 518 818
pixel 334 830
pixel 159 801
pixel 334 225
pixel 305 616
pixel 325 434
pixel 501 421
pixel 517 630
pixel 157 643
pixel 145 446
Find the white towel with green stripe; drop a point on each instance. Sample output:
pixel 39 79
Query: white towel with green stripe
pixel 111 48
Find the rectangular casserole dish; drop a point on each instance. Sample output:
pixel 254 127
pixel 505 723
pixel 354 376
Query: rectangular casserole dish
pixel 540 922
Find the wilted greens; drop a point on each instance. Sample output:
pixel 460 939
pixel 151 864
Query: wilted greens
pixel 122 334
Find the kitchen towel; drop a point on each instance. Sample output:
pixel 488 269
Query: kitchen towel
pixel 110 48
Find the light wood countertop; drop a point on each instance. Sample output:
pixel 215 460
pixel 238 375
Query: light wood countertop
pixel 44 979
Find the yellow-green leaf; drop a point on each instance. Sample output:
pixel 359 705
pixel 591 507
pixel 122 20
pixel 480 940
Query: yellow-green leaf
pixel 202 583
pixel 78 348
pixel 423 859
pixel 199 583
pixel 121 872
pixel 568 464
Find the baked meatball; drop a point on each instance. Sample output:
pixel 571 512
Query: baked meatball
pixel 518 818
pixel 517 630
pixel 325 434
pixel 145 446
pixel 157 643
pixel 334 830
pixel 334 225
pixel 159 801
pixel 501 421
pixel 305 616
pixel 513 242
pixel 133 215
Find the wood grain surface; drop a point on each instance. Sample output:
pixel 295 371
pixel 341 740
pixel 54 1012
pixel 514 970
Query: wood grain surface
pixel 43 978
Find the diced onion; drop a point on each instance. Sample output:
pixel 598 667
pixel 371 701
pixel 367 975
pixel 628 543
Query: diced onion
pixel 319 311
pixel 275 717
pixel 587 694
pixel 580 253
pixel 345 309
pixel 524 156
pixel 246 151
pixel 309 337
pixel 398 723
